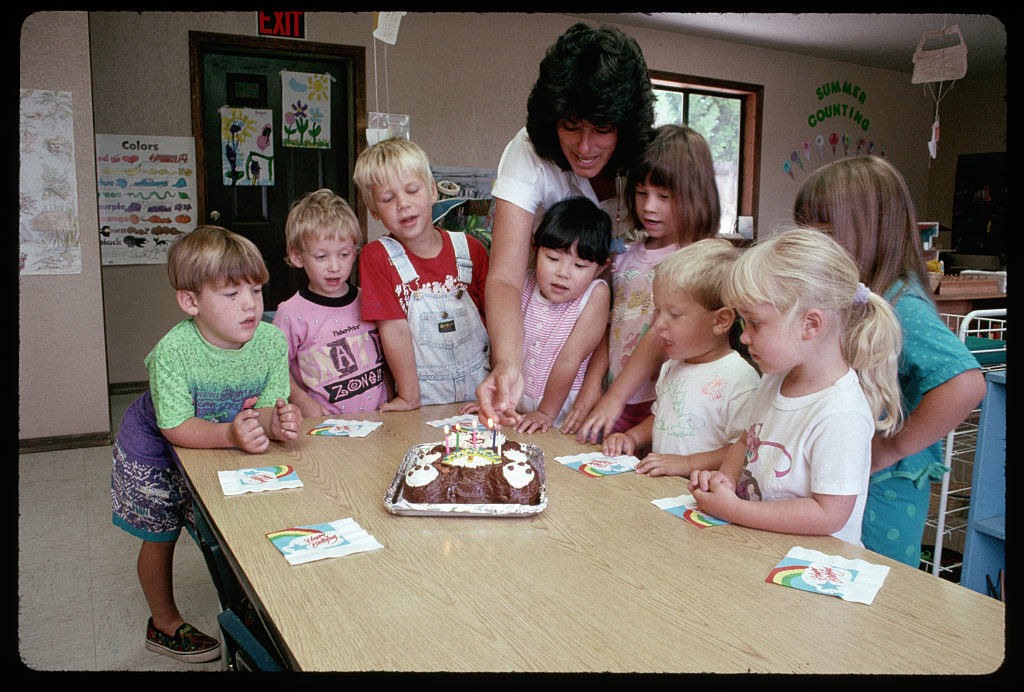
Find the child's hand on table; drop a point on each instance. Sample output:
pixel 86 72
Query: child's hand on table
pixel 248 433
pixel 581 408
pixel 714 492
pixel 285 421
pixel 664 465
pixel 601 419
pixel 703 481
pixel 617 444
pixel 535 421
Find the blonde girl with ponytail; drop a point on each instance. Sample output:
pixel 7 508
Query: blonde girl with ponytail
pixel 827 347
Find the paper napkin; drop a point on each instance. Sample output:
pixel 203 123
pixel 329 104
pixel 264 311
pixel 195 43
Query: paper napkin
pixel 319 541
pixel 466 421
pixel 810 570
pixel 345 428
pixel 257 480
pixel 595 464
pixel 685 507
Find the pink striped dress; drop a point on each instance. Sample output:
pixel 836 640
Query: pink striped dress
pixel 546 328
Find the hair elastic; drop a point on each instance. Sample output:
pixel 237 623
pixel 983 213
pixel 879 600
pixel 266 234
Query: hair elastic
pixel 862 294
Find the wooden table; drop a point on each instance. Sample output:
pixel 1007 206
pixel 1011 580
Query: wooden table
pixel 601 580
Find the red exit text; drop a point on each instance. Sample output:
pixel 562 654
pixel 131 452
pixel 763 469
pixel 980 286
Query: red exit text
pixel 289 24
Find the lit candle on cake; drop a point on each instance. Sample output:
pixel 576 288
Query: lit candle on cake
pixel 456 437
pixel 446 449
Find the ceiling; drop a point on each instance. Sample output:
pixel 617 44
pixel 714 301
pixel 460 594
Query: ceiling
pixel 886 41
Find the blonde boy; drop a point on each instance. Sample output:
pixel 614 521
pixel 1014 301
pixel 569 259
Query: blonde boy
pixel 216 379
pixel 704 388
pixel 335 359
pixel 423 287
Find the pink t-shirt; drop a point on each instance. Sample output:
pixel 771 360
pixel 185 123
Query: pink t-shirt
pixel 633 308
pixel 334 355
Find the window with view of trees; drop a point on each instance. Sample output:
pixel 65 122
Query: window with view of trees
pixel 728 115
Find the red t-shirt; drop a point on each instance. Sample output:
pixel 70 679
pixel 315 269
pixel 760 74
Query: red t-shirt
pixel 383 295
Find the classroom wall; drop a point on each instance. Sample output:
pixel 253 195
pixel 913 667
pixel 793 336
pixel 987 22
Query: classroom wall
pixel 464 79
pixel 62 374
pixel 979 100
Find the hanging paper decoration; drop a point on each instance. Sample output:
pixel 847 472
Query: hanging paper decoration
pixel 48 229
pixel 247 145
pixel 306 109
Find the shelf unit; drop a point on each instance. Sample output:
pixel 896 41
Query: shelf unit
pixel 984 333
pixel 985 545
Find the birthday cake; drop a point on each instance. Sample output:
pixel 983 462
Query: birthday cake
pixel 485 469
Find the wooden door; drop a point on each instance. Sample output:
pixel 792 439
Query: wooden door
pixel 245 72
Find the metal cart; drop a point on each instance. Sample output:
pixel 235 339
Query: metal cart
pixel 984 333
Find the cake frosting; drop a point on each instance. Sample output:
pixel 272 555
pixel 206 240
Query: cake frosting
pixel 502 473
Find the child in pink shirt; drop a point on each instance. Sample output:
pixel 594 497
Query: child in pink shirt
pixel 335 359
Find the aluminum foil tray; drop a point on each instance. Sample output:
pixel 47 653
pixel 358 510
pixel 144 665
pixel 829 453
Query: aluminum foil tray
pixel 396 504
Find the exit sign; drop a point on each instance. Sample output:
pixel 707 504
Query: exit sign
pixel 286 23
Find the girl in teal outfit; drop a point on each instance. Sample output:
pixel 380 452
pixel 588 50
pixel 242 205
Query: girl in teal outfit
pixel 865 204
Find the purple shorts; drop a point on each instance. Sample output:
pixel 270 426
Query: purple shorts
pixel 149 502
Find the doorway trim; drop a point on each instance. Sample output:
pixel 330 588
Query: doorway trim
pixel 202 42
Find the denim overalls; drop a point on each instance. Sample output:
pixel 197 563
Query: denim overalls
pixel 448 335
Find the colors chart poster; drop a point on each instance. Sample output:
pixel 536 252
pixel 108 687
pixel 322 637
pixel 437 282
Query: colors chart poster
pixel 146 186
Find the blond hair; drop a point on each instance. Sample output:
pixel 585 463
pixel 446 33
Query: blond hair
pixel 387 158
pixel 803 269
pixel 864 203
pixel 211 256
pixel 700 269
pixel 319 215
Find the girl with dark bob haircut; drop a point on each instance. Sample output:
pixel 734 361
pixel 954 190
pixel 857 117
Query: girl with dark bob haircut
pixel 577 221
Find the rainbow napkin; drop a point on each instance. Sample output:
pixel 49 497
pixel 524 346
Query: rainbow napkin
pixel 685 507
pixel 595 464
pixel 337 427
pixel 334 539
pixel 257 480
pixel 810 570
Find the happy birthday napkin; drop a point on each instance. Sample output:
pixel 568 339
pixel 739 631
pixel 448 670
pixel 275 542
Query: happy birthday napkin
pixel 596 464
pixel 302 544
pixel 810 570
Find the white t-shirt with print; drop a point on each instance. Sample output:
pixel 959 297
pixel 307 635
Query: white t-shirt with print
pixel 702 407
pixel 814 444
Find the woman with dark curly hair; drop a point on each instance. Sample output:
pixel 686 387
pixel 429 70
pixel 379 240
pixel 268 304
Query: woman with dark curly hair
pixel 589 115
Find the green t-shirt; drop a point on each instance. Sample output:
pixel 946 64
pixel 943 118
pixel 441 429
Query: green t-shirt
pixel 189 377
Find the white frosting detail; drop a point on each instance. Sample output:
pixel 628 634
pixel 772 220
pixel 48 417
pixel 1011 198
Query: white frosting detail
pixel 518 474
pixel 430 458
pixel 516 455
pixel 420 475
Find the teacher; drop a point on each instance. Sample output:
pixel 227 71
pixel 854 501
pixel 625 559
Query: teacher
pixel 589 115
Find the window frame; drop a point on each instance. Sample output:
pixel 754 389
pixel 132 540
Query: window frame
pixel 751 98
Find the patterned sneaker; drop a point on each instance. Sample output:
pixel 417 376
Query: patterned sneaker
pixel 188 644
